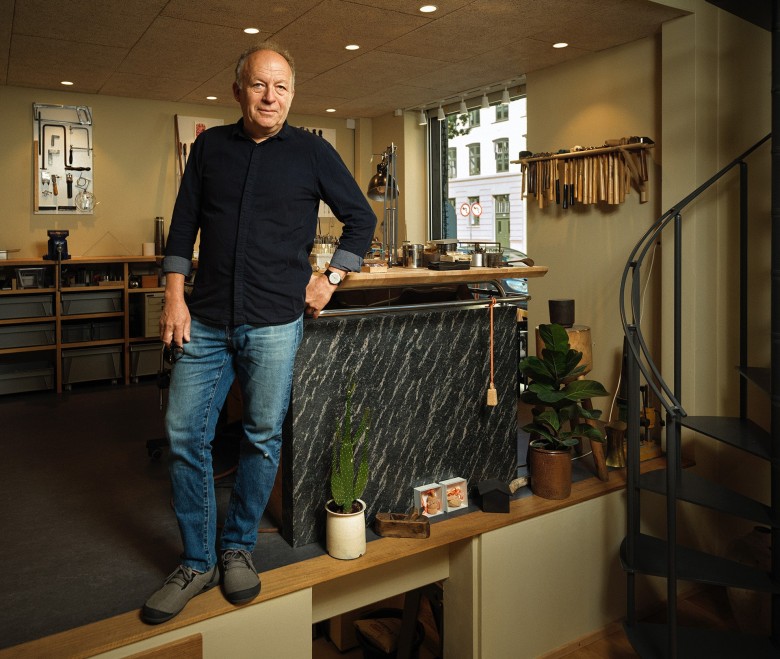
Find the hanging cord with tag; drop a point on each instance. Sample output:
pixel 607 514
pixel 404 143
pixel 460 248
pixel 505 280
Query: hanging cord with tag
pixel 492 394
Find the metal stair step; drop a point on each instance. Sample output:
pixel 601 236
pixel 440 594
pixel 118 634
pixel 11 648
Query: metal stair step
pixel 740 433
pixel 698 490
pixel 694 565
pixel 650 641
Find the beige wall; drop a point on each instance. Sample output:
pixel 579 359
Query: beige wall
pixel 607 95
pixel 716 105
pixel 134 172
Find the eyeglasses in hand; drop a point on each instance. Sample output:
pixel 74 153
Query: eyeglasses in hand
pixel 172 353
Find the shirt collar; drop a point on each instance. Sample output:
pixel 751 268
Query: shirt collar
pixel 238 131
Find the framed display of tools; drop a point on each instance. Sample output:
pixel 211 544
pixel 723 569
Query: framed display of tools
pixel 63 174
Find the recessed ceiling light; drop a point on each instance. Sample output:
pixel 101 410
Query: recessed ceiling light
pixel 66 82
pixel 211 98
pixel 560 44
pixel 352 46
pixel 251 30
pixel 427 9
pixel 330 110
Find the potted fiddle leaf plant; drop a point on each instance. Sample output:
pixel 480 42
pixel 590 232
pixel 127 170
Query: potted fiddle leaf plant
pixel 345 526
pixel 561 416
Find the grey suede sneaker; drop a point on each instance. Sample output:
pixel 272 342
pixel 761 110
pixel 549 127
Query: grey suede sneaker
pixel 239 576
pixel 179 588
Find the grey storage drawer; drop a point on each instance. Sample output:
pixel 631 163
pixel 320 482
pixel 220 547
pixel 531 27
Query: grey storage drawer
pixel 144 359
pixel 91 302
pixel 20 376
pixel 89 364
pixel 22 336
pixel 96 330
pixel 26 306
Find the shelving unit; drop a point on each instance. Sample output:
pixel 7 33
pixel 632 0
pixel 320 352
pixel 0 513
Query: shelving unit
pixel 83 321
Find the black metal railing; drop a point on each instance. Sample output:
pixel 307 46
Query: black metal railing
pixel 640 364
pixel 668 396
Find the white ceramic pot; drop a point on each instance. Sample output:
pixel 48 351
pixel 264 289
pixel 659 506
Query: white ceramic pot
pixel 345 533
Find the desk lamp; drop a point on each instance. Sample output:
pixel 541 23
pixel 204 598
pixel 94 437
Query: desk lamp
pixel 383 187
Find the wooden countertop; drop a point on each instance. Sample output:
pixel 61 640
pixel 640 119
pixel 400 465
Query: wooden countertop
pixel 423 277
pixel 78 260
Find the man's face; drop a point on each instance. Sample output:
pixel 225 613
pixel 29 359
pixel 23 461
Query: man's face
pixel 265 94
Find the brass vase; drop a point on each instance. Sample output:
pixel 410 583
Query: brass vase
pixel 616 445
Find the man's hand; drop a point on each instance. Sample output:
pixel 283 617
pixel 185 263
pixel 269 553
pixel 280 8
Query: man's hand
pixel 318 293
pixel 175 317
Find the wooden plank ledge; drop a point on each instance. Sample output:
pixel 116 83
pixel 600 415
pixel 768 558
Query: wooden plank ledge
pixel 127 628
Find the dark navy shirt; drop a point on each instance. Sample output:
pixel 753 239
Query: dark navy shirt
pixel 255 205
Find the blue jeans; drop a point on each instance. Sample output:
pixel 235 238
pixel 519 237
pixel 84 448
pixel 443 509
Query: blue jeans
pixel 262 359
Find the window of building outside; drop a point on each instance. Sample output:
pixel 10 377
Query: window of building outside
pixel 503 221
pixel 473 219
pixel 474 160
pixel 457 175
pixel 501 149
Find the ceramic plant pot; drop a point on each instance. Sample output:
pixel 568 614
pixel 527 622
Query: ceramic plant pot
pixel 550 473
pixel 345 533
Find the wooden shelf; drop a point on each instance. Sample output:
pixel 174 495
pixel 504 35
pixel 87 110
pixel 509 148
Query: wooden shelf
pixel 119 268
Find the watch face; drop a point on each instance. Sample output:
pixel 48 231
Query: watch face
pixel 334 278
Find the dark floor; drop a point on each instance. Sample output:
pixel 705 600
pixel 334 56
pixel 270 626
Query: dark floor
pixel 88 531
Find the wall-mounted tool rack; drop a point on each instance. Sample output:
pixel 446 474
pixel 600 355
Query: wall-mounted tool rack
pixel 595 175
pixel 63 149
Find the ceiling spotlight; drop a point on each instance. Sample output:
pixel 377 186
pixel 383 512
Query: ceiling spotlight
pixel 427 9
pixel 560 44
pixel 67 83
pixel 330 110
pixel 423 120
pixel 505 97
pixel 251 30
pixel 463 109
pixel 211 98
pixel 485 101
pixel 440 113
pixel 352 46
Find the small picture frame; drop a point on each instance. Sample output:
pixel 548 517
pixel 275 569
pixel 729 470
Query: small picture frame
pixel 456 494
pixel 429 499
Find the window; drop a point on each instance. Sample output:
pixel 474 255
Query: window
pixel 474 160
pixel 501 214
pixel 452 162
pixel 473 219
pixel 463 133
pixel 502 112
pixel 501 149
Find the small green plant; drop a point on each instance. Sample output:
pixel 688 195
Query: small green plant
pixel 346 486
pixel 559 419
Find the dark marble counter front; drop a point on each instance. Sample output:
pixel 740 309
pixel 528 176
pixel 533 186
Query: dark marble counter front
pixel 424 374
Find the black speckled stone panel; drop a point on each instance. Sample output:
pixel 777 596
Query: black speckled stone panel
pixel 425 376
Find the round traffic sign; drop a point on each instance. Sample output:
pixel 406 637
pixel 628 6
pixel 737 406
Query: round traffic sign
pixel 476 209
pixel 465 209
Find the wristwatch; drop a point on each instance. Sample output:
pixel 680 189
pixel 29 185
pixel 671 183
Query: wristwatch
pixel 334 277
